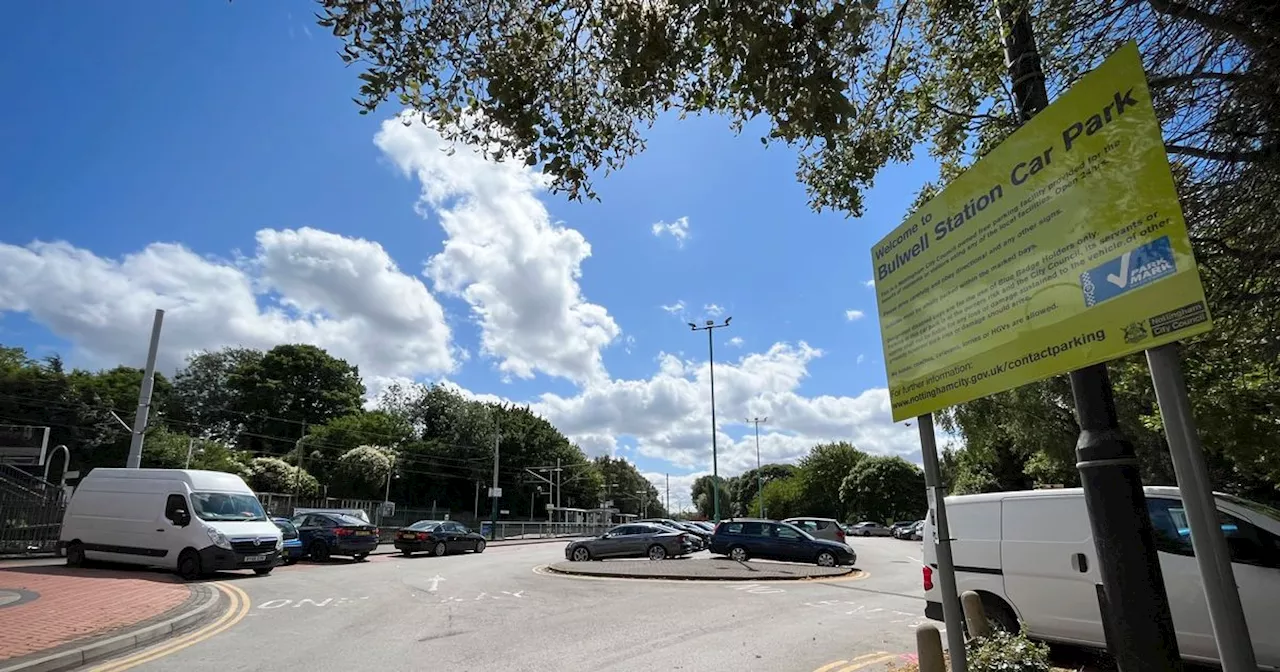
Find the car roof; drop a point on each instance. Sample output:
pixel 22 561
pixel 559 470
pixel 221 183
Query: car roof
pixel 787 520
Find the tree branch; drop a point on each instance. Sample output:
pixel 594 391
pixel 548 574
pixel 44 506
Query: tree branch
pixel 1230 156
pixel 1214 22
pixel 1176 80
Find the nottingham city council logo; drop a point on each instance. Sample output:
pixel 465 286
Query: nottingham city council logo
pixel 1135 332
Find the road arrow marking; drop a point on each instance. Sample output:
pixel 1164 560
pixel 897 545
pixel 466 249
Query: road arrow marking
pixel 1122 279
pixel 435 583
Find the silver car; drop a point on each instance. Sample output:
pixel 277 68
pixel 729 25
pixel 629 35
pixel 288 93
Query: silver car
pixel 822 528
pixel 632 540
pixel 870 529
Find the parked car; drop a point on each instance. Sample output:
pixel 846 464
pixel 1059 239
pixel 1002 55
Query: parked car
pixel 701 536
pixel 820 528
pixel 191 521
pixel 899 527
pixel 327 534
pixel 869 529
pixel 917 531
pixel 704 524
pixel 437 537
pixel 632 540
pixel 744 538
pixel 1031 555
pixel 293 550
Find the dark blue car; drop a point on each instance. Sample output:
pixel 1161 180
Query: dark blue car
pixel 744 538
pixel 326 534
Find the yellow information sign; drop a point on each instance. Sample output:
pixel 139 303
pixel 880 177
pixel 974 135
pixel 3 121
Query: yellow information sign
pixel 1063 247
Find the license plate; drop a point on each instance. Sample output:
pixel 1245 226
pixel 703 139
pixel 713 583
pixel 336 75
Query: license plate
pixel 255 558
pixel 407 536
pixel 363 533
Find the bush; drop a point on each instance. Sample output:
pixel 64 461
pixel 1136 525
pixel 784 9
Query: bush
pixel 1005 652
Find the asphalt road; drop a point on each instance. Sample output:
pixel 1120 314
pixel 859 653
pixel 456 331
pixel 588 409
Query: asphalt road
pixel 496 611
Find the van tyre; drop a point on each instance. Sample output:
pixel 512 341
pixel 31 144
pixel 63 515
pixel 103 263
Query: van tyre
pixel 75 554
pixel 319 551
pixel 189 565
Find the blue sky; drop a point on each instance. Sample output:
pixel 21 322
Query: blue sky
pixel 201 124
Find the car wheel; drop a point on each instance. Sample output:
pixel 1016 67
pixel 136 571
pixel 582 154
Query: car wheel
pixel 657 552
pixel 826 559
pixel 581 554
pixel 360 557
pixel 439 548
pixel 189 565
pixel 75 555
pixel 319 551
pixel 263 571
pixel 480 546
pixel 406 552
pixel 739 554
pixel 289 561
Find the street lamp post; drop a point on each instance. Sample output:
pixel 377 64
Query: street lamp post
pixel 710 328
pixel 759 479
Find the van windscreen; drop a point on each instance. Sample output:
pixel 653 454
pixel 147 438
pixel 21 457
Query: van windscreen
pixel 226 506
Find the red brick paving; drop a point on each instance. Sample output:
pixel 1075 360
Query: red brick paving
pixel 77 604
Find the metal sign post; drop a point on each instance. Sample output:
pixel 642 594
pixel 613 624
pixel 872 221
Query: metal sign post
pixel 952 613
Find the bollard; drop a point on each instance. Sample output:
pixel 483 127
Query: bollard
pixel 974 615
pixel 929 648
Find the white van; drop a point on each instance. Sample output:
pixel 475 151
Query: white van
pixel 194 522
pixel 1031 556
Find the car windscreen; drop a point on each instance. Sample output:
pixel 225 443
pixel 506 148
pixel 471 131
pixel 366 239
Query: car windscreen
pixel 1256 507
pixel 226 506
pixel 286 526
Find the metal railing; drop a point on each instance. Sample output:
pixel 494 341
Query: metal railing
pixel 30 520
pixel 511 530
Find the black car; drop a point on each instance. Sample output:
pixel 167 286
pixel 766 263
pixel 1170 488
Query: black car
pixel 437 537
pixel 744 538
pixel 701 535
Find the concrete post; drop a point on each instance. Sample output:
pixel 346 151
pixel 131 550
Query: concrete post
pixel 975 616
pixel 929 648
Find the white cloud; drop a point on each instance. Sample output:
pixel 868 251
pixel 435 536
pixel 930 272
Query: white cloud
pixel 516 268
pixel 713 310
pixel 852 315
pixel 676 308
pixel 680 486
pixel 870 284
pixel 736 341
pixel 861 359
pixel 679 230
pixel 343 294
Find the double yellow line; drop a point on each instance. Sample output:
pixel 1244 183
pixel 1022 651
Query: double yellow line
pixel 858 663
pixel 237 609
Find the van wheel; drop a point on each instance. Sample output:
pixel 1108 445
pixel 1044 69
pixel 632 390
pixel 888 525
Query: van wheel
pixel 75 554
pixel 1000 615
pixel 319 551
pixel 189 565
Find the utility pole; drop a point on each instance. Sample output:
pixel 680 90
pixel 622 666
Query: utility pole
pixel 668 495
pixel 191 447
pixel 936 494
pixel 493 492
pixel 559 483
pixel 759 478
pixel 1136 615
pixel 476 514
pixel 297 473
pixel 134 460
pixel 710 327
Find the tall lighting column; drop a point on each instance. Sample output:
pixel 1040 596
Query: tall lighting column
pixel 710 328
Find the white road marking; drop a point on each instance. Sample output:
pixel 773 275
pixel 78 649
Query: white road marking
pixel 280 603
pixel 435 583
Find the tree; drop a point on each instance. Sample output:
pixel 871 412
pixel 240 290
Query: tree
pixel 746 487
pixel 821 472
pixel 205 396
pixel 165 449
pixel 621 483
pixel 884 488
pixel 363 472
pixel 291 385
pixel 784 498
pixel 566 83
pixel 270 474
pixel 703 495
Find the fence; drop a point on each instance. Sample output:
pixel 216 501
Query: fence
pixel 541 530
pixel 282 505
pixel 30 515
